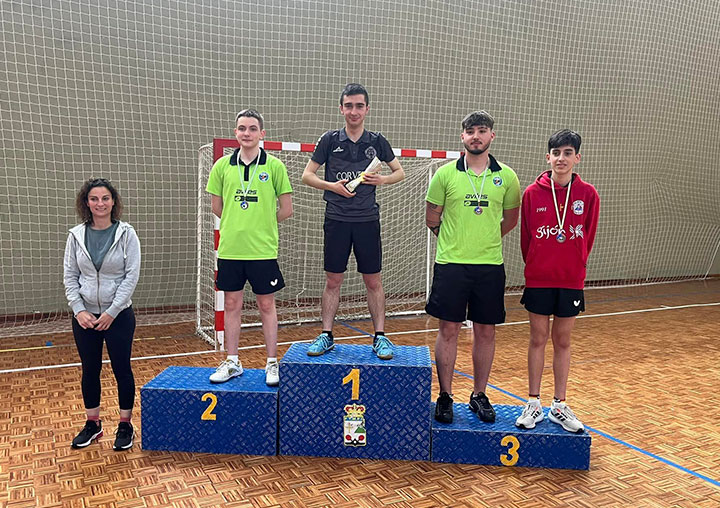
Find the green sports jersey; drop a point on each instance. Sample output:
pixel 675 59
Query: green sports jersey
pixel 248 226
pixel 465 236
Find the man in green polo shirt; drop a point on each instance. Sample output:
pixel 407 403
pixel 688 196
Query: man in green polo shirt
pixel 471 204
pixel 246 188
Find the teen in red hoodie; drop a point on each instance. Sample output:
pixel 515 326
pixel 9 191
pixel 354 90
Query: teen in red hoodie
pixel 559 220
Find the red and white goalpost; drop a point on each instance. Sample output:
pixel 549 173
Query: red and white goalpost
pixel 407 249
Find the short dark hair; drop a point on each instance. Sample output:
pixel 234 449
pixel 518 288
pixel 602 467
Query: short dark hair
pixel 82 208
pixel 354 89
pixel 250 113
pixel 481 118
pixel 565 137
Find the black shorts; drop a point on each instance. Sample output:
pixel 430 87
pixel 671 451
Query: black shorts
pixel 264 275
pixel 362 237
pixel 554 301
pixel 474 292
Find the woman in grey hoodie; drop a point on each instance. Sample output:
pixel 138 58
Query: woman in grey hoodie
pixel 101 269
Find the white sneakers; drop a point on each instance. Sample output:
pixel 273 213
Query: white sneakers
pixel 531 415
pixel 228 369
pixel 559 413
pixel 272 373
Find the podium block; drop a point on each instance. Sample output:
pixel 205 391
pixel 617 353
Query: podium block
pixel 470 441
pixel 183 411
pixel 349 403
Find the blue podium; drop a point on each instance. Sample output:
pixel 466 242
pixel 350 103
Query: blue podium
pixel 349 403
pixel 469 441
pixel 183 411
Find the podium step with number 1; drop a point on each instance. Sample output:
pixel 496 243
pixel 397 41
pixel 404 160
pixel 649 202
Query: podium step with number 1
pixel 349 403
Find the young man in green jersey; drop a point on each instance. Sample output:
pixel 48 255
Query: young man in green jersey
pixel 471 204
pixel 246 188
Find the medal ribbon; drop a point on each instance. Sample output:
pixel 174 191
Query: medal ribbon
pixel 252 177
pixel 561 223
pixel 482 185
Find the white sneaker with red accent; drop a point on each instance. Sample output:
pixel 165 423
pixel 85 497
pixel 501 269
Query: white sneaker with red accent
pixel 561 414
pixel 531 415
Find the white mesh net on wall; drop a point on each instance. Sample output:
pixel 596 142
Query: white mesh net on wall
pixel 128 90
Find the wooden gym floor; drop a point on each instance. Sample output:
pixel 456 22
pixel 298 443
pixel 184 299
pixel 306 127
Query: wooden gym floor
pixel 645 378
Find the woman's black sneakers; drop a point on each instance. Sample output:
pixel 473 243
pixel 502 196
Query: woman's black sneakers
pixel 91 430
pixel 124 437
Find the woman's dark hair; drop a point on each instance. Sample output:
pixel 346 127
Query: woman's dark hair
pixel 82 208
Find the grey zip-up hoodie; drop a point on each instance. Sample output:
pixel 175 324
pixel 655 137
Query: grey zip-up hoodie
pixel 110 288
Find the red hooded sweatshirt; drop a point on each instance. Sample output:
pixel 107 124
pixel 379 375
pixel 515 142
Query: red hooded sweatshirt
pixel 549 263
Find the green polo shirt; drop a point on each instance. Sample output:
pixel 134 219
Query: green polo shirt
pixel 250 231
pixel 466 237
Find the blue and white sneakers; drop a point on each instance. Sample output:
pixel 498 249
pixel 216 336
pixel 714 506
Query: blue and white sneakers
pixel 383 347
pixel 321 345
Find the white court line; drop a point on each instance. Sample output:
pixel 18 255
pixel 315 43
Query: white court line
pixel 243 348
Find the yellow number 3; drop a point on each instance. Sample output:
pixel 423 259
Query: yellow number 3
pixel 208 413
pixel 512 455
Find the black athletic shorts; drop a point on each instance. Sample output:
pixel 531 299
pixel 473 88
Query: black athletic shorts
pixel 554 301
pixel 474 292
pixel 362 237
pixel 264 275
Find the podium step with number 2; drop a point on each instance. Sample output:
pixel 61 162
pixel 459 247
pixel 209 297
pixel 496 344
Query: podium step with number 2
pixel 183 411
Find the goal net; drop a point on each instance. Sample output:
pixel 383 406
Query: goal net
pixel 130 90
pixel 406 249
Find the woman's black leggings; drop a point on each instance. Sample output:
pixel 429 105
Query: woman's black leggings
pixel 119 338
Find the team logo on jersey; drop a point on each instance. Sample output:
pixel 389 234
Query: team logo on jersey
pixel 497 181
pixel 338 149
pixel 578 207
pixel 545 232
pixel 576 232
pixel 370 152
pixel 264 176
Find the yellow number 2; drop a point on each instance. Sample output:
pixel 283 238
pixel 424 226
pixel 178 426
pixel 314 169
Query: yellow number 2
pixel 354 376
pixel 512 454
pixel 208 413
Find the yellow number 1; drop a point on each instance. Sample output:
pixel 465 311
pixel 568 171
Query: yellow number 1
pixel 512 454
pixel 354 376
pixel 208 413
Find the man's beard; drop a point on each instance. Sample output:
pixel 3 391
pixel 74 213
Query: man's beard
pixel 476 151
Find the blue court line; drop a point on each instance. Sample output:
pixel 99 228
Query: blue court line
pixel 590 429
pixel 656 457
pixel 357 329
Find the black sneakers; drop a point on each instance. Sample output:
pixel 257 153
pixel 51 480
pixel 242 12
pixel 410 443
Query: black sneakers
pixel 444 408
pixel 91 430
pixel 480 404
pixel 124 437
